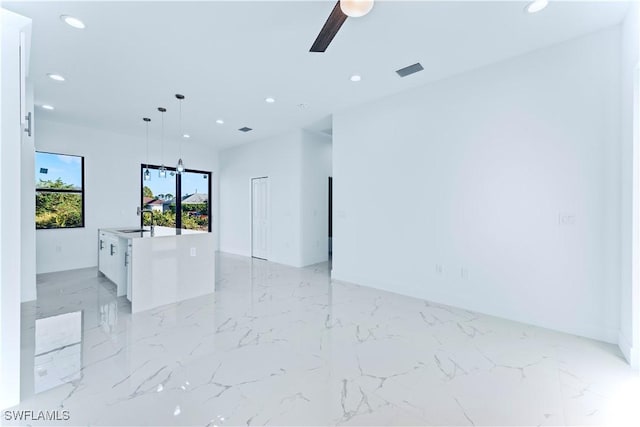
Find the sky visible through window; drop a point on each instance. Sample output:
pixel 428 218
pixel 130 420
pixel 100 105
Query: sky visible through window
pixel 194 183
pixel 66 168
pixel 191 183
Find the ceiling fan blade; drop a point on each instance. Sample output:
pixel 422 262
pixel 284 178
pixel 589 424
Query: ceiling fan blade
pixel 329 29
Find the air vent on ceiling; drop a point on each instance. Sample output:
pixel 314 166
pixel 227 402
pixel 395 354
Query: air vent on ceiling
pixel 404 72
pixel 245 129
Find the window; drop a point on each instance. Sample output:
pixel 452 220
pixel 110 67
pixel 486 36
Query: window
pixel 188 193
pixel 159 196
pixel 59 191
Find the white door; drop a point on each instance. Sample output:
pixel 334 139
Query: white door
pixel 259 217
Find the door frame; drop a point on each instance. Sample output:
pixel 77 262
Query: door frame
pixel 251 218
pixel 631 350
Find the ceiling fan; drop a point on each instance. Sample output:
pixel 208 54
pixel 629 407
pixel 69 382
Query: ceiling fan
pixel 341 11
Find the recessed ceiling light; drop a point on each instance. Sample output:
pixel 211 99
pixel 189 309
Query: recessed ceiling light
pixel 269 100
pixel 186 135
pixel 56 77
pixel 536 6
pixel 48 107
pixel 355 78
pixel 220 121
pixel 72 21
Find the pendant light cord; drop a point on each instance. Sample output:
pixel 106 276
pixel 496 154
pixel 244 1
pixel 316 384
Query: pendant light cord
pixel 147 165
pixel 181 136
pixel 162 139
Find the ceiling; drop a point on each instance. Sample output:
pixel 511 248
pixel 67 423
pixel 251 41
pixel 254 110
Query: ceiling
pixel 227 57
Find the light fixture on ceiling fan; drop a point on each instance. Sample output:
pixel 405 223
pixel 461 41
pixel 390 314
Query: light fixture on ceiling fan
pixel 341 11
pixel 356 8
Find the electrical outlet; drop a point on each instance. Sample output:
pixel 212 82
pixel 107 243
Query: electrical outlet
pixel 58 248
pixel 439 269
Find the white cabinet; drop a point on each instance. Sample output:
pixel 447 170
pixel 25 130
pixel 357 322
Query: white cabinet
pixel 128 269
pixel 114 259
pixel 102 252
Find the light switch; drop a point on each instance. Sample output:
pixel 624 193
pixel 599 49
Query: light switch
pixel 567 219
pixel 193 251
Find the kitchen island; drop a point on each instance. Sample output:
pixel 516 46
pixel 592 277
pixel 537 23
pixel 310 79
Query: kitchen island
pixel 157 268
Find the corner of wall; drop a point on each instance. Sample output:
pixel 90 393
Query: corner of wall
pixel 629 335
pixel 630 353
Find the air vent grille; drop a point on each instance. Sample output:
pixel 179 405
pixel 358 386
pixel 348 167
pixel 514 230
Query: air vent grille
pixel 245 129
pixel 411 69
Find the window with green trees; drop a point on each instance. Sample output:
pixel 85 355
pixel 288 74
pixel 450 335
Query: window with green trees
pixel 59 191
pixel 177 200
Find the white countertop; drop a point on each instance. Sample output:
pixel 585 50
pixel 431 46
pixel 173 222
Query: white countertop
pixel 158 232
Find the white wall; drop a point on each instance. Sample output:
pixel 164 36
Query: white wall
pixel 298 165
pixel 279 159
pixel 629 339
pixel 472 173
pixel 10 209
pixel 316 170
pixel 112 186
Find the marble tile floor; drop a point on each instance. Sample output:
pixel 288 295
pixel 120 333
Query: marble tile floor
pixel 278 345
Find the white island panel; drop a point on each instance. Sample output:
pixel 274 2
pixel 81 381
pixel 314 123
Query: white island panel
pixel 169 269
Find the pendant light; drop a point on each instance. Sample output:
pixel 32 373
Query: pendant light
pixel 162 173
pixel 180 165
pixel 147 174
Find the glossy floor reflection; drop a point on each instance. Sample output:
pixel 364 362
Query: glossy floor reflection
pixel 279 345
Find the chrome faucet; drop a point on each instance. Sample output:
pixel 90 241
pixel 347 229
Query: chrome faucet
pixel 152 218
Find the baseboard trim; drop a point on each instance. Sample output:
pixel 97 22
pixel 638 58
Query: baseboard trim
pixel 608 335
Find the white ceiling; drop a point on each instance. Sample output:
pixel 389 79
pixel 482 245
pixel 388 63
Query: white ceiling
pixel 226 57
